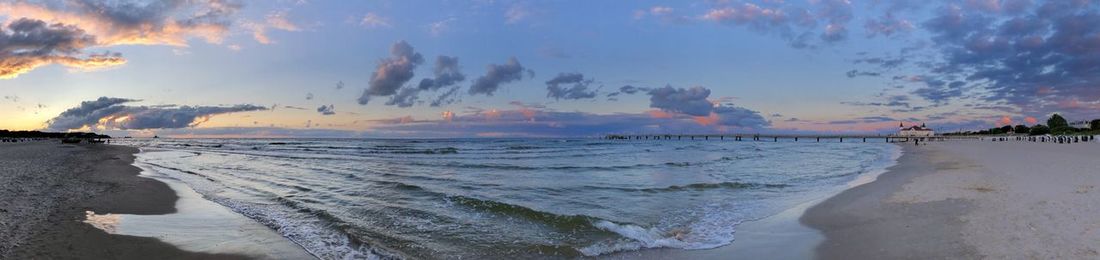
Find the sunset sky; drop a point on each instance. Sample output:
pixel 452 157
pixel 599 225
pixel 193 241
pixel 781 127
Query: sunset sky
pixel 314 68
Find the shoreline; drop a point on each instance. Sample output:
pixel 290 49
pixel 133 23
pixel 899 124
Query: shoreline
pixel 61 186
pixel 969 199
pixel 59 182
pixel 779 236
pixel 859 224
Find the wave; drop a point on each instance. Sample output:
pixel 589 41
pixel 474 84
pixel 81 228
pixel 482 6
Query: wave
pixel 573 167
pixel 626 236
pixel 564 222
pixel 698 187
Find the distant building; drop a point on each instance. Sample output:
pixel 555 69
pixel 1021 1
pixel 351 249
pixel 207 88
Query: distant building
pixel 1079 124
pixel 915 131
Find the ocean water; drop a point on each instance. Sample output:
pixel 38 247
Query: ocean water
pixel 508 198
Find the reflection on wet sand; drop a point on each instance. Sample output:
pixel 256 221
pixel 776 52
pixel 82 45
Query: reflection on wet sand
pixel 200 225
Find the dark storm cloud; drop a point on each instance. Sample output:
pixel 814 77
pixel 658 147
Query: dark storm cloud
pixel 446 72
pixel 392 73
pixel 327 110
pixel 110 113
pixel 691 101
pixel 498 74
pixel 569 86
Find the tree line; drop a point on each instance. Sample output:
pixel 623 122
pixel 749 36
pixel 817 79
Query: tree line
pixel 1056 125
pixel 40 134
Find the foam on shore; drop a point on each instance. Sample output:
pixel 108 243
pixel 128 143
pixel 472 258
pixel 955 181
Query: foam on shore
pixel 199 225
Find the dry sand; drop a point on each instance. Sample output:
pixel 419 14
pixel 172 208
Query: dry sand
pixel 46 187
pixel 968 199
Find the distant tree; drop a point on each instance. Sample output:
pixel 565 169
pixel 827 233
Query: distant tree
pixel 1005 129
pixel 1095 124
pixel 1061 130
pixel 1040 130
pixel 1022 129
pixel 1056 121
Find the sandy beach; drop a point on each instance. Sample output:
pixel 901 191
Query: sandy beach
pixel 995 200
pixel 49 187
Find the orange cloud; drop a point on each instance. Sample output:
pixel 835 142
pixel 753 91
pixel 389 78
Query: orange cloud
pixel 706 120
pixel 97 24
pixel 167 31
pixel 1005 120
pixel 492 114
pixel 448 116
pixel 659 114
pixel 11 67
pixel 1031 120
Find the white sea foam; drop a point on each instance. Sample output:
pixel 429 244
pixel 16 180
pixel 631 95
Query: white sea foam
pixel 350 198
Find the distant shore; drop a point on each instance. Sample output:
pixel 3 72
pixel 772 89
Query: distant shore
pixel 970 199
pixel 48 186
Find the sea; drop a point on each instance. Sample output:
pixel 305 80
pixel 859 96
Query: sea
pixel 509 198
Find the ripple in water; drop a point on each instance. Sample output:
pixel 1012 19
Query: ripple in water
pixel 505 198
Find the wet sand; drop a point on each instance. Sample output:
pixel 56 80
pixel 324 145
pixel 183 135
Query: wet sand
pixel 47 187
pixel 967 200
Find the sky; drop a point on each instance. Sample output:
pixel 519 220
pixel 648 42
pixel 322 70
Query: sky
pixel 490 68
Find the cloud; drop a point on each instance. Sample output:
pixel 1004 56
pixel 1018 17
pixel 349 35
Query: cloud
pixel 795 23
pixel 664 14
pixel 109 113
pixel 327 110
pixel 169 22
pixel 629 90
pixel 498 74
pixel 27 44
pixel 275 20
pixel 577 87
pixel 692 101
pixel 439 27
pixel 373 21
pixel 516 13
pixel 887 25
pixel 446 98
pixel 1013 55
pixel 739 117
pixel 392 72
pixel 446 73
pixel 857 73
pixel 837 14
pixel 83 24
pixel 406 97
